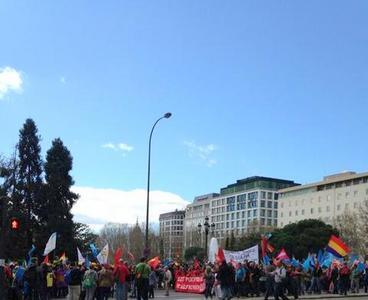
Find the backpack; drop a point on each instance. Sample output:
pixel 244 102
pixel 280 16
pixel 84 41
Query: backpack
pixel 88 282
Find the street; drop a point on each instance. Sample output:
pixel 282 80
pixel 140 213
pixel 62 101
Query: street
pixel 160 294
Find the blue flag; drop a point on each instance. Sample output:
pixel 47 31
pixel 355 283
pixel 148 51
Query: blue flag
pixel 320 257
pixel 94 250
pixel 266 260
pixel 87 262
pixel 307 263
pixel 295 263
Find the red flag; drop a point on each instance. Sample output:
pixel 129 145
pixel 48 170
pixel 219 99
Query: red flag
pixel 46 260
pixel 118 254
pixel 220 257
pixel 270 248
pixel 264 243
pixel 154 262
pixel 282 255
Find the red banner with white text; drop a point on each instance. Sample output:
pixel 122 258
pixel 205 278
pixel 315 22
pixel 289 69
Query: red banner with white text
pixel 185 284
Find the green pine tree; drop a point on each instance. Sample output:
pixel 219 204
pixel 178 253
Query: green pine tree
pixel 27 199
pixel 55 212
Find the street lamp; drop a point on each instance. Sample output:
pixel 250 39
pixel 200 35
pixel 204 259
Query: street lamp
pixel 207 228
pixel 165 116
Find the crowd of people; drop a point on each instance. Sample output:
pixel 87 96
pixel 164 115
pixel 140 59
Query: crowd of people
pixel 222 280
pixel 282 279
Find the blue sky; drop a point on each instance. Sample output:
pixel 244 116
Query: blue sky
pixel 271 88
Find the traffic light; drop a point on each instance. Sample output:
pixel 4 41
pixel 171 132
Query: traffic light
pixel 14 224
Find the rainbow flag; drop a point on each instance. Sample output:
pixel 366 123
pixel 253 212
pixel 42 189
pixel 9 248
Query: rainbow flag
pixel 337 247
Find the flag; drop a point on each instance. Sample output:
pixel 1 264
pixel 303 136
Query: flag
pixel 63 257
pixel 30 252
pixel 51 244
pixel 294 262
pixel 282 255
pixel 154 262
pixel 131 256
pixel 94 250
pixel 118 254
pixel 81 259
pixel 307 263
pixel 337 247
pixel 220 256
pixel 103 255
pixel 46 260
pixel 87 263
pixel 266 260
pixel 320 257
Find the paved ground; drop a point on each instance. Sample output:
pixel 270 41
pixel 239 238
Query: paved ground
pixel 183 296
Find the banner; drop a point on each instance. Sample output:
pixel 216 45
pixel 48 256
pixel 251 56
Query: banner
pixel 250 254
pixel 194 285
pixel 103 255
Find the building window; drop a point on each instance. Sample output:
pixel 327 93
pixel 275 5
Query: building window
pixel 275 196
pixel 355 205
pixel 282 215
pixel 289 213
pixel 255 213
pixel 269 204
pixel 263 203
pixel 311 211
pixel 319 209
pixel 328 197
pixel 238 215
pixel 275 205
pixel 243 214
pixel 347 195
pixel 275 214
pixel 338 207
pixel 355 193
pixel 281 224
pixel 327 208
pixel 346 206
pixel 296 213
pixel 269 213
pixel 269 222
pixel 269 196
pixel 263 221
pixel 262 213
pixel 248 213
pixel 263 195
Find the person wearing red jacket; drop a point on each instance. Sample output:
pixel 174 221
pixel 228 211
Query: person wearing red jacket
pixel 121 274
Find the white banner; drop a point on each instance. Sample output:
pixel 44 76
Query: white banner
pixel 250 254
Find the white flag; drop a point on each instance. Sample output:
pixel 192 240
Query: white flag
pixel 102 256
pixel 81 259
pixel 51 244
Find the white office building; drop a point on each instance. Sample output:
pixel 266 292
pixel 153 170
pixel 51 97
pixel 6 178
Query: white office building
pixel 325 200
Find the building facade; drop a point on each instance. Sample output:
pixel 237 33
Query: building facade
pixel 172 232
pixel 248 205
pixel 195 214
pixel 325 200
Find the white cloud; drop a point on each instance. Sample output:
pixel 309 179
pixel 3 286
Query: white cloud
pixel 99 206
pixel 204 152
pixel 10 80
pixel 125 148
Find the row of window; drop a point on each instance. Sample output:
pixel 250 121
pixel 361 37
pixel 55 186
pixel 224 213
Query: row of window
pixel 243 197
pixel 320 210
pixel 243 206
pixel 339 196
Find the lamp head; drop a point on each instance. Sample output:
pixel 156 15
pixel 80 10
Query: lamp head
pixel 167 115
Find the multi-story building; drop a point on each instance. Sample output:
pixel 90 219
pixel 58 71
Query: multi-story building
pixel 325 200
pixel 247 205
pixel 171 232
pixel 195 214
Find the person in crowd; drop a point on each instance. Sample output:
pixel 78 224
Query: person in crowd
pixel 225 277
pixel 142 273
pixel 167 278
pixel 152 284
pixel 279 275
pixel 356 274
pixel 209 279
pixel 74 282
pixel 31 281
pixel 315 286
pixel 105 282
pixel 239 280
pixel 90 283
pixel 344 275
pixel 269 281
pixel 121 274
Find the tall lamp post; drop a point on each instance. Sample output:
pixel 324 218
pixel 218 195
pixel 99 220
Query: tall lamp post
pixel 165 116
pixel 206 227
